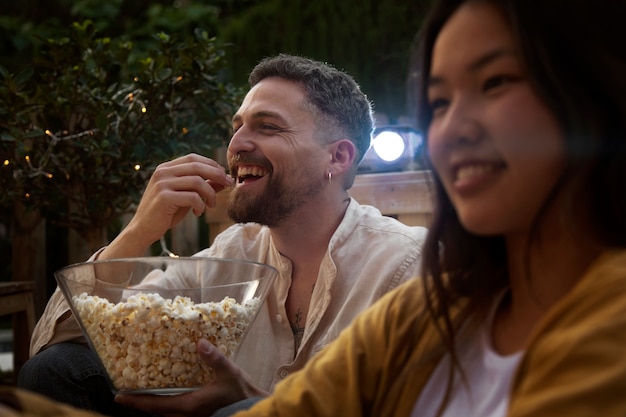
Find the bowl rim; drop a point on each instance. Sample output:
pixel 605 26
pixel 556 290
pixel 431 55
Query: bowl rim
pixel 155 258
pixel 165 258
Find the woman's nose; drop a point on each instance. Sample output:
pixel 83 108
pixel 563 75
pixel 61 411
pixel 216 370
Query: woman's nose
pixel 458 126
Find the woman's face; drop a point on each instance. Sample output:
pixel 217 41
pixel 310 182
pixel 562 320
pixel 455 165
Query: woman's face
pixel 493 142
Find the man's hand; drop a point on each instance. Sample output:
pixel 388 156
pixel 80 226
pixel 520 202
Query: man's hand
pixel 190 182
pixel 230 385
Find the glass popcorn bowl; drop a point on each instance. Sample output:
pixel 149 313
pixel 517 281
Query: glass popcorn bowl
pixel 143 316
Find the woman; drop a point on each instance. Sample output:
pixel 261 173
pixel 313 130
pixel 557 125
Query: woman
pixel 522 311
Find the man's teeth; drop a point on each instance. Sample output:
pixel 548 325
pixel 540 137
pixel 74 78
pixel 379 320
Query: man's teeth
pixel 251 171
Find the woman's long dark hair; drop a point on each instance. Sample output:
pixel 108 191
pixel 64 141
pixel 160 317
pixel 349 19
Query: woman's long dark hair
pixel 575 56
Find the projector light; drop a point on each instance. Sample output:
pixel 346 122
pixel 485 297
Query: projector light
pixel 388 145
pixel 393 148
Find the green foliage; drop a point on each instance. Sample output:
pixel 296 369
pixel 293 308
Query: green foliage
pixel 369 39
pixel 83 126
pixel 25 24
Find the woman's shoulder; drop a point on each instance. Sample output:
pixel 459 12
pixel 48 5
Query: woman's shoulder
pixel 594 309
pixel 603 285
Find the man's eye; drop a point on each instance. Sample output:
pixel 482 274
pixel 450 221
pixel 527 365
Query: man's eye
pixel 268 127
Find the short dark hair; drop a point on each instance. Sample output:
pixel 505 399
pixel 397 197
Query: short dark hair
pixel 333 93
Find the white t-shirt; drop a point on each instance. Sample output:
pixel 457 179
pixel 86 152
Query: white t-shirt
pixel 489 377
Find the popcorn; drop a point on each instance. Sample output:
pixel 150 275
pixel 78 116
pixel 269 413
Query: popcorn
pixel 148 342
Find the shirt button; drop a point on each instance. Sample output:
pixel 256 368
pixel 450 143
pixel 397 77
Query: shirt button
pixel 279 318
pixel 284 266
pixel 284 373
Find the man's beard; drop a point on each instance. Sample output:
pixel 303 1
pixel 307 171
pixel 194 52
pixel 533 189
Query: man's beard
pixel 276 204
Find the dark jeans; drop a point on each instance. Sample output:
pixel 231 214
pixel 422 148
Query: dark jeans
pixel 70 373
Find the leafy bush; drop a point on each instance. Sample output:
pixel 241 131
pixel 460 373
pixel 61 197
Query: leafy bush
pixel 83 126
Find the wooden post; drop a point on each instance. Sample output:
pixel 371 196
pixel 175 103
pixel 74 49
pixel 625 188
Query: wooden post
pixel 184 236
pixel 28 252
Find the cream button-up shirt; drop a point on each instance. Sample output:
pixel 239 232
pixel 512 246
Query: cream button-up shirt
pixel 368 255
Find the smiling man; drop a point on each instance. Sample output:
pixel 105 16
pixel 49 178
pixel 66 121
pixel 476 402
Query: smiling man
pixel 297 139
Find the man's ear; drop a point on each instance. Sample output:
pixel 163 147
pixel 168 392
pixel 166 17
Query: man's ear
pixel 343 153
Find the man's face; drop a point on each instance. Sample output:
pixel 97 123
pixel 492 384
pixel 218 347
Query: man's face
pixel 274 156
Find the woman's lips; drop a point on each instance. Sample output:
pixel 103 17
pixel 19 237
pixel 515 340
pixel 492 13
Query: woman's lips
pixel 471 177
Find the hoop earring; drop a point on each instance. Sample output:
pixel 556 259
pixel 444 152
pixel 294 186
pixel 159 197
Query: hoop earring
pixel 330 177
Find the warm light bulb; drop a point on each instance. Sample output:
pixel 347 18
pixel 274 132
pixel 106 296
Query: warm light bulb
pixel 143 110
pixel 137 167
pixel 6 162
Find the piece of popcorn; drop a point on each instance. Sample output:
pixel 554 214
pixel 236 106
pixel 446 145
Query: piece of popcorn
pixel 150 342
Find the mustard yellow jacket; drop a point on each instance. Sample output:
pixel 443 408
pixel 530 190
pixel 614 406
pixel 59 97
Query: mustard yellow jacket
pixel 574 364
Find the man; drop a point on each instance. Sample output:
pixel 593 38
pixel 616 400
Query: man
pixel 297 140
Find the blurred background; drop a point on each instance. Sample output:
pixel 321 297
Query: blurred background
pixel 94 94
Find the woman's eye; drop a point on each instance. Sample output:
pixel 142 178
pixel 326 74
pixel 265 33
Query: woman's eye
pixel 495 82
pixel 437 105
